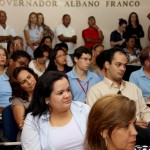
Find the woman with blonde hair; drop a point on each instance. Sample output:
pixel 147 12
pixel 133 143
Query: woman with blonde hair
pixel 33 33
pixel 46 29
pixel 111 124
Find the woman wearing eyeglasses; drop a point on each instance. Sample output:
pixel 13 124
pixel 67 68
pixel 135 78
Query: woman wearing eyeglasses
pixel 58 61
pixel 22 91
pixel 5 88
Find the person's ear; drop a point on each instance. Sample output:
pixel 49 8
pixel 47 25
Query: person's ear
pixel 104 133
pixel 47 101
pixel 106 64
pixel 10 62
pixel 76 59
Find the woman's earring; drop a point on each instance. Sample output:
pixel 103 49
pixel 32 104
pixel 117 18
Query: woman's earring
pixel 106 142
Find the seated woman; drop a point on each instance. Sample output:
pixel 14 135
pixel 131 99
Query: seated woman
pixel 33 33
pixel 54 121
pixel 111 124
pixel 58 61
pixel 25 81
pixel 46 29
pixel 131 51
pixel 47 40
pixel 5 87
pixel 41 59
pixel 96 50
pixel 118 37
pixel 64 46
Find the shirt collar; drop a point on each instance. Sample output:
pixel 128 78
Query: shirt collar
pixel 110 83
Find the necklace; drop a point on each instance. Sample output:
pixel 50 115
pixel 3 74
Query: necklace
pixel 39 68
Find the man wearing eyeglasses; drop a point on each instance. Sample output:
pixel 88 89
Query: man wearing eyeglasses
pixel 81 79
pixel 17 43
pixel 115 66
pixel 18 59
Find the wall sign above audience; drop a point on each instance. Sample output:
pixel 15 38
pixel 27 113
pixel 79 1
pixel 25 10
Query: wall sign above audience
pixel 70 3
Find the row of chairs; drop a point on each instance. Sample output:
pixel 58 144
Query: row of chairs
pixel 10 131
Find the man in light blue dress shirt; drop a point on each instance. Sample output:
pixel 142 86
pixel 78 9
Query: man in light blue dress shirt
pixel 141 77
pixel 81 79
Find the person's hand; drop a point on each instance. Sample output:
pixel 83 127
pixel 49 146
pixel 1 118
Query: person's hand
pixel 96 27
pixel 122 41
pixel 134 61
pixel 142 124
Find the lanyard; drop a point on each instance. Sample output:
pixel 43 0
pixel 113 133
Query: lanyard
pixel 82 86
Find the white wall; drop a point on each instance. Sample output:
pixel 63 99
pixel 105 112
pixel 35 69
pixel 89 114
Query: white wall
pixel 106 16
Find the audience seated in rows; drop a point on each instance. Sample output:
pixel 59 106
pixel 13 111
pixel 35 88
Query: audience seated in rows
pixel 113 84
pixel 54 121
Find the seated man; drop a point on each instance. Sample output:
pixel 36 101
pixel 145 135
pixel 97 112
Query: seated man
pixel 92 34
pixel 16 43
pixel 81 79
pixel 113 84
pixel 141 77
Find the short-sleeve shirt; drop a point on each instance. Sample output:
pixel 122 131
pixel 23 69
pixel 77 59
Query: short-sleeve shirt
pixel 68 32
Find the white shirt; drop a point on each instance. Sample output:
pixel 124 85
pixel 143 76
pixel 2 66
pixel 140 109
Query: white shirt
pixel 6 32
pixel 32 66
pixel 68 32
pixel 72 140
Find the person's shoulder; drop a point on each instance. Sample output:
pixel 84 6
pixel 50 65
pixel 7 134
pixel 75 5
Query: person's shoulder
pixel 136 73
pixel 79 106
pixel 94 76
pixel 59 26
pixel 131 85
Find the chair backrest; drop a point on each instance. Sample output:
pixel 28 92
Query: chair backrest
pixel 10 128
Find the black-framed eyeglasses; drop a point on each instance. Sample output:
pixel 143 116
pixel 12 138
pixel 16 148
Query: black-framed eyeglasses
pixel 86 59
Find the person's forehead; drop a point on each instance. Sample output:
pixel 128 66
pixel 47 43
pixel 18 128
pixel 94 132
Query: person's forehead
pixel 17 41
pixel 23 59
pixel 119 56
pixel 2 13
pixel 86 55
pixel 67 17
